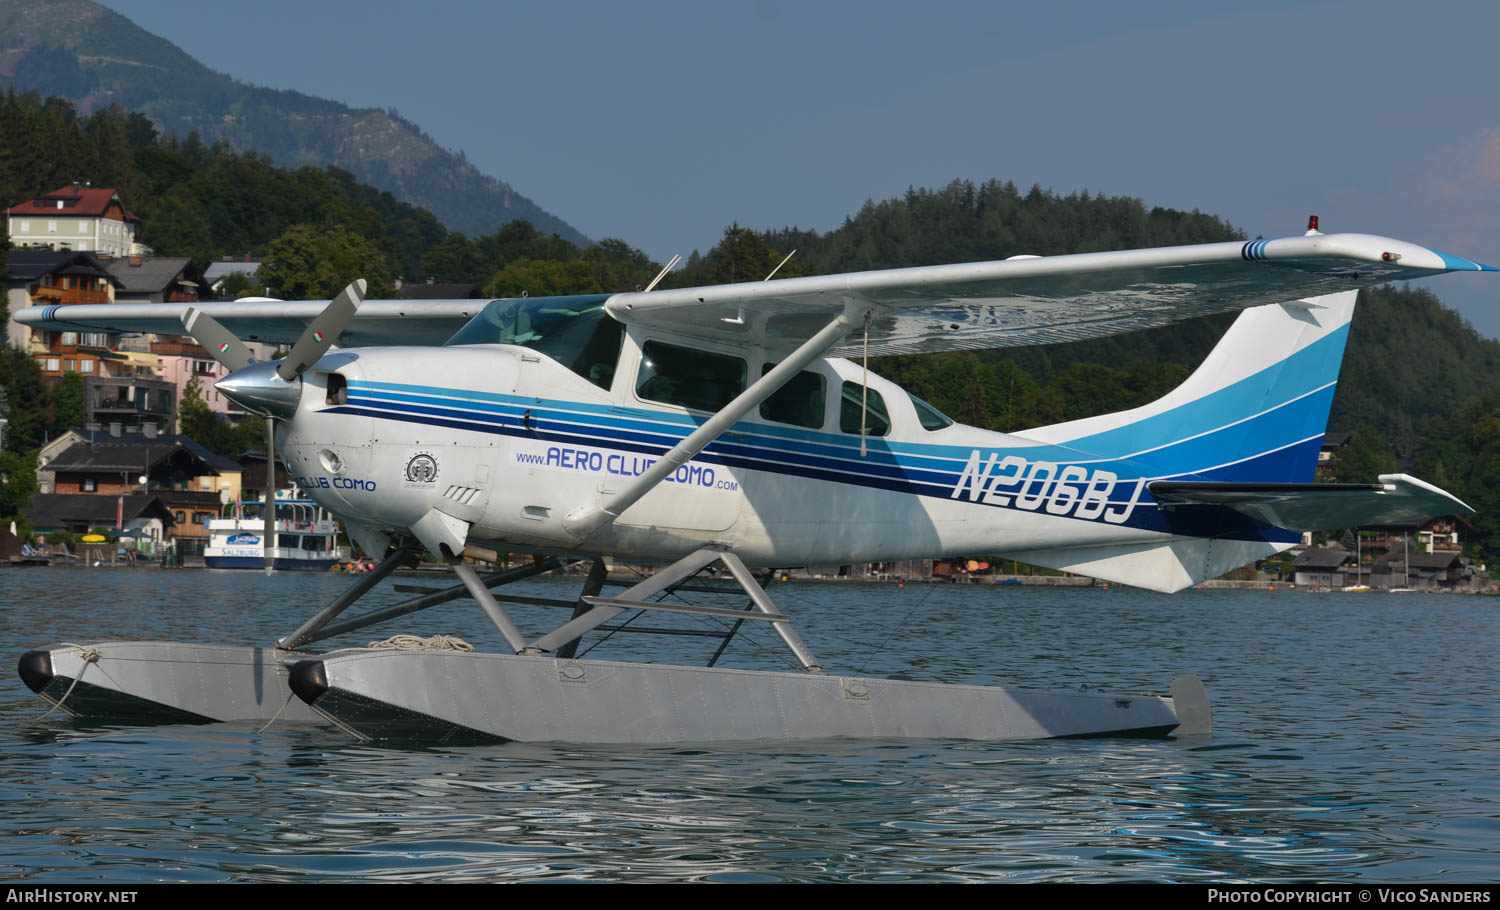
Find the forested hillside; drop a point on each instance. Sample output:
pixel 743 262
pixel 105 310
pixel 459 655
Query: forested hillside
pixel 1417 382
pixel 209 201
pixel 94 57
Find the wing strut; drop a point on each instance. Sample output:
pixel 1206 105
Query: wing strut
pixel 586 520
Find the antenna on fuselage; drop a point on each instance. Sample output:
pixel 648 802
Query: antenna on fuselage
pixel 739 317
pixel 779 265
pixel 663 273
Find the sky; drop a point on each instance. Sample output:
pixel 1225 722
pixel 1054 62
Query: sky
pixel 662 122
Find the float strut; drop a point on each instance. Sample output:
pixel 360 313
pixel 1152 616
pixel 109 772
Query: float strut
pixel 357 590
pixel 487 602
pixel 436 598
pixel 592 585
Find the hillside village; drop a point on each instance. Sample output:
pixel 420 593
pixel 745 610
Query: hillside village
pixel 128 466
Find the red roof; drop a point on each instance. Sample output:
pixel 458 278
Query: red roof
pixel 77 201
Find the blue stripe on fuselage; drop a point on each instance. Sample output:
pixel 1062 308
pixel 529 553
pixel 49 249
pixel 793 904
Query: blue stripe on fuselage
pixel 1281 412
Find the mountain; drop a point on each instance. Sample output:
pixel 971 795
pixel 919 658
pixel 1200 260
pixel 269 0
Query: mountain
pixel 94 57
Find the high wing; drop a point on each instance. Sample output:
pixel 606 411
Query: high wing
pixel 378 322
pixel 1022 301
pixel 1038 300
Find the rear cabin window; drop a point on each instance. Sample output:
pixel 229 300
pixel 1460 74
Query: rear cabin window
pixel 574 331
pixel 927 415
pixel 799 402
pixel 877 419
pixel 694 379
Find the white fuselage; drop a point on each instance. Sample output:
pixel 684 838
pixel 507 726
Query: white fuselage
pixel 510 442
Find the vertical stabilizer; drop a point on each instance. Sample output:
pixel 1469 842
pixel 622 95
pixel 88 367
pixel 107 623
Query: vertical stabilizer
pixel 1254 410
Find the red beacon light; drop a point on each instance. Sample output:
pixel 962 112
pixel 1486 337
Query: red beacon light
pixel 1312 226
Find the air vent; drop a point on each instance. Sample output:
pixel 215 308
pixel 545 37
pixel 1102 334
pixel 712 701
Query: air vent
pixel 462 495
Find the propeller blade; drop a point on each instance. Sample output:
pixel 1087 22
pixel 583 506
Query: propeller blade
pixel 323 331
pixel 220 343
pixel 268 540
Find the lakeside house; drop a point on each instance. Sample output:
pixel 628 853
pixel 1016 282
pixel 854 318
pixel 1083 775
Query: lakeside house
pixel 1326 567
pixel 1442 571
pixel 190 482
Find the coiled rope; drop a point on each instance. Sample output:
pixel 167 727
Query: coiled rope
pixel 406 642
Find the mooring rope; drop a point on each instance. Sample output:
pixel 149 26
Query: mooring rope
pixel 289 697
pixel 864 392
pixel 89 655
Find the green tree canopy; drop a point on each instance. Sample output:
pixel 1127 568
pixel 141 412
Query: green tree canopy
pixel 67 401
pixel 17 483
pixel 310 263
pixel 543 278
pixel 1366 456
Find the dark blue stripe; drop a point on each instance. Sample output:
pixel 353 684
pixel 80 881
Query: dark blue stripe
pixel 1213 521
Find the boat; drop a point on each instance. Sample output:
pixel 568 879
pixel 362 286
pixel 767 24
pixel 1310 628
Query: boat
pixel 306 537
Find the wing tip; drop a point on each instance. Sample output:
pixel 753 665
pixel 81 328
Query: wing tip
pixel 1460 264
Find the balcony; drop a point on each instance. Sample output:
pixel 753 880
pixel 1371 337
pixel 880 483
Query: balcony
pixel 69 296
pixel 178 349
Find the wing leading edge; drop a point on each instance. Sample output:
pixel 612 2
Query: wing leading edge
pixel 1039 300
pixel 378 322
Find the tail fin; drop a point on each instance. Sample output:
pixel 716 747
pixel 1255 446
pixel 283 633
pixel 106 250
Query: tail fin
pixel 1255 410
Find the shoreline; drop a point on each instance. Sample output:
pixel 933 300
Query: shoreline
pixel 1030 581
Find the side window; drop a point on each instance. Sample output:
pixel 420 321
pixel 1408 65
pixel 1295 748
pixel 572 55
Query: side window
pixel 799 402
pixel 877 419
pixel 687 377
pixel 600 355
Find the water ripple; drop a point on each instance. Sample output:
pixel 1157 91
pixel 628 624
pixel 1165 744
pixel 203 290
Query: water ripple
pixel 1356 740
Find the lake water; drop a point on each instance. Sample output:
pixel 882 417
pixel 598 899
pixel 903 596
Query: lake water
pixel 1357 737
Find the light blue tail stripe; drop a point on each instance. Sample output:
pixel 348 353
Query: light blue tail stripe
pixel 1311 368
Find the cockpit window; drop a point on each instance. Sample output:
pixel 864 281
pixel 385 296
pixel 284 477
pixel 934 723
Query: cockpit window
pixel 574 331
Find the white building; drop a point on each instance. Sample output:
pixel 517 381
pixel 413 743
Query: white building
pixel 74 217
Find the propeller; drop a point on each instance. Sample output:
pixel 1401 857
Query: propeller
pixel 267 388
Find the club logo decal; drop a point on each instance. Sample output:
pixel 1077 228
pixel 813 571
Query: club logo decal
pixel 421 470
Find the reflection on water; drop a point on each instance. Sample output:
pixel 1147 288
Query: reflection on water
pixel 1355 738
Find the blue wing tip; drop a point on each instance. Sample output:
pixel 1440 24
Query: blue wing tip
pixel 1460 264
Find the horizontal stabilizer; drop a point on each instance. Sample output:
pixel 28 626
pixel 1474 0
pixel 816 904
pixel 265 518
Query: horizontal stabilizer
pixel 1166 567
pixel 1317 506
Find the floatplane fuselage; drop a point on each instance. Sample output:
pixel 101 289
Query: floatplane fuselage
pixel 717 426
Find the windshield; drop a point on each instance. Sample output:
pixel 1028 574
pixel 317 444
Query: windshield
pixel 574 331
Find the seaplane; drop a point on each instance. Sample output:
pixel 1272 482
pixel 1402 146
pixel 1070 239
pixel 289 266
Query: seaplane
pixel 716 431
